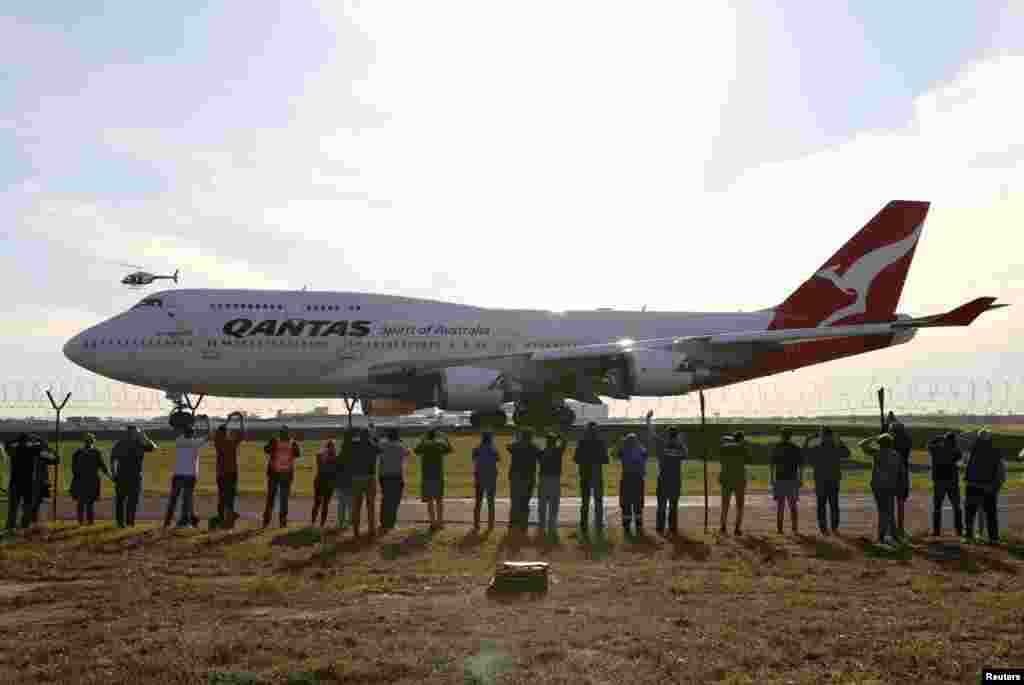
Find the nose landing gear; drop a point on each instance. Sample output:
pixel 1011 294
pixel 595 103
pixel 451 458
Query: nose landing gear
pixel 184 415
pixel 543 413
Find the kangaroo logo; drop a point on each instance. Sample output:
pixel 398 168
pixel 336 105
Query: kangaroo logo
pixel 857 278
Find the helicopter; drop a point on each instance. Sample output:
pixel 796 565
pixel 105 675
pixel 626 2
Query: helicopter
pixel 143 278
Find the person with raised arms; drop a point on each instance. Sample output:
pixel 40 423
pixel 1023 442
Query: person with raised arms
pixel 432 450
pixel 86 466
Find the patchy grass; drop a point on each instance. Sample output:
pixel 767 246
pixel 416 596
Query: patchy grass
pixel 410 607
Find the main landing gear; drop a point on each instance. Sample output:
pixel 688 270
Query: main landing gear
pixel 543 413
pixel 184 415
pixel 488 419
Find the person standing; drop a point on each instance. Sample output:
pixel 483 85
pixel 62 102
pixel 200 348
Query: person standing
pixel 522 475
pixel 186 473
pixel 946 456
pixel 985 475
pixel 590 456
pixel 670 452
pixel 392 478
pixel 226 445
pixel 550 492
pixel 86 465
pixel 485 478
pixel 786 477
pixel 432 450
pixel 886 479
pixel 903 445
pixel 126 460
pixel 732 478
pixel 364 480
pixel 633 456
pixel 325 481
pixel 282 453
pixel 343 482
pixel 826 454
pixel 27 478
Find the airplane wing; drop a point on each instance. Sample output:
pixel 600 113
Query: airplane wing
pixel 759 339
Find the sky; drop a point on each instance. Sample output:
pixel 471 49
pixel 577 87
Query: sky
pixel 564 156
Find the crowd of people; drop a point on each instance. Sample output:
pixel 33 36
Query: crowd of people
pixel 351 473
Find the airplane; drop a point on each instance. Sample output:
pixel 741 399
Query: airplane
pixel 399 354
pixel 141 278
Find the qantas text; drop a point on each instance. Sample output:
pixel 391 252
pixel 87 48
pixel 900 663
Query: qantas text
pixel 245 328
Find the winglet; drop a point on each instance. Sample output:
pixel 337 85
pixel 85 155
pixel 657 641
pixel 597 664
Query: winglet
pixel 964 315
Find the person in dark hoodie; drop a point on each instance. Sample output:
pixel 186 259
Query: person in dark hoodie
pixel 549 494
pixel 590 456
pixel 826 454
pixel 787 478
pixel 391 476
pixel 985 475
pixel 29 457
pixel 522 476
pixel 946 456
pixel 670 451
pixel 325 481
pixel 126 459
pixel 86 465
pixel 886 479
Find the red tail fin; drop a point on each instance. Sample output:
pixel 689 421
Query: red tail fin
pixel 862 282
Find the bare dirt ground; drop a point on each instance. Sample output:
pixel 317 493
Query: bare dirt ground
pixel 145 605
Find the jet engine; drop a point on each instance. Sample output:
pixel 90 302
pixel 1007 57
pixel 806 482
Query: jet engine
pixel 388 406
pixel 656 373
pixel 469 388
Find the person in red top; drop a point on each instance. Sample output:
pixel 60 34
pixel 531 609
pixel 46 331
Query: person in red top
pixel 282 453
pixel 227 445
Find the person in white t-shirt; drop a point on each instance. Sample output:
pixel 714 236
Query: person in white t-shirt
pixel 186 472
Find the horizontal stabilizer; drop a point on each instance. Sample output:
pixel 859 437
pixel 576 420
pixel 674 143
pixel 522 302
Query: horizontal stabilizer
pixel 964 315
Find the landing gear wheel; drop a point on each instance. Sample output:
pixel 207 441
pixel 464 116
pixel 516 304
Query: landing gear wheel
pixel 184 415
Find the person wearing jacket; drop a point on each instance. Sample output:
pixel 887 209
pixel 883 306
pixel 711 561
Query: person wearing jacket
pixel 522 476
pixel 946 456
pixel 984 475
pixel 325 481
pixel 670 452
pixel 826 455
pixel 432 451
pixel 226 444
pixel 732 478
pixel 126 457
pixel 391 474
pixel 86 465
pixel 27 482
pixel 590 456
pixel 787 477
pixel 363 463
pixel 633 456
pixel 903 445
pixel 549 494
pixel 282 453
pixel 886 480
pixel 485 478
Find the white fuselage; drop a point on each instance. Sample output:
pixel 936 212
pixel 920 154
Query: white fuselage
pixel 258 343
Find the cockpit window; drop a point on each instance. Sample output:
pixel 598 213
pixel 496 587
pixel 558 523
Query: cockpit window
pixel 150 302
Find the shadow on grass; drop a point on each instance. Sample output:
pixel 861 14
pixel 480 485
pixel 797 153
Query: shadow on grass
pixel 685 546
pixel 594 544
pixel 222 539
pixel 416 541
pixel 303 537
pixel 760 545
pixel 326 554
pixel 825 548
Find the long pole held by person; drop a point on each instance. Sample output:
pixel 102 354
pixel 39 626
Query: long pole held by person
pixel 881 406
pixel 57 466
pixel 704 439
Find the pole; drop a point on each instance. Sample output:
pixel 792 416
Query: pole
pixel 350 404
pixel 881 406
pixel 56 467
pixel 704 439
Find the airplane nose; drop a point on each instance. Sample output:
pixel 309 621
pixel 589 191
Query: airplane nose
pixel 73 349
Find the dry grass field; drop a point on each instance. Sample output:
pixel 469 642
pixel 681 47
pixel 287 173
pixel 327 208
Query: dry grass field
pixel 104 605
